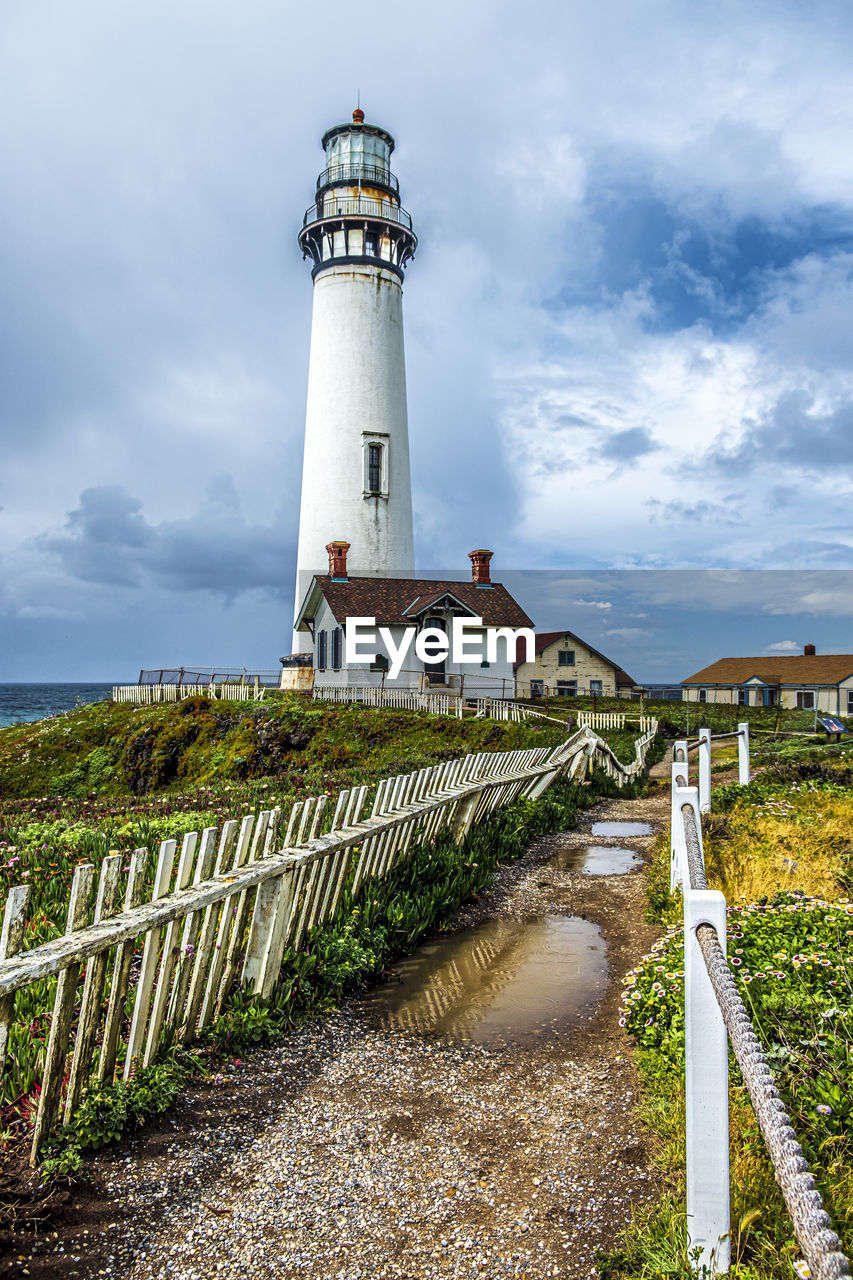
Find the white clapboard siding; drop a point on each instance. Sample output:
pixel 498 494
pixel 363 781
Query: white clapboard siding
pixel 236 899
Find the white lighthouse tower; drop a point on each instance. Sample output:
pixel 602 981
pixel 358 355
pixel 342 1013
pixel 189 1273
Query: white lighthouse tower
pixel 356 483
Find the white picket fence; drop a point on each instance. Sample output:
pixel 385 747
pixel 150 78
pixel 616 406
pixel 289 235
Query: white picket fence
pixel 500 709
pixel 144 694
pixel 221 912
pixel 614 720
pixel 440 704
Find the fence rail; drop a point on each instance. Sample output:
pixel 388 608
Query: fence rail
pixel 221 912
pixel 715 1015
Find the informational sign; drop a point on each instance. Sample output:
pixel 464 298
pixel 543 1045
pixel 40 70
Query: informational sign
pixel 832 724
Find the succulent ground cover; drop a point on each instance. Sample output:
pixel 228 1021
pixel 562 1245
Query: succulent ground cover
pixel 782 851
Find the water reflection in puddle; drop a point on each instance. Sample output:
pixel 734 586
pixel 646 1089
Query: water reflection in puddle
pixel 621 829
pixel 503 981
pixel 597 860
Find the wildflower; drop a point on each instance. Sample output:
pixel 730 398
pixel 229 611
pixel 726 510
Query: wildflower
pixel 824 1108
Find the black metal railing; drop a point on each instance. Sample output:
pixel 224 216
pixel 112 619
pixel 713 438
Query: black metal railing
pixel 358 173
pixel 360 206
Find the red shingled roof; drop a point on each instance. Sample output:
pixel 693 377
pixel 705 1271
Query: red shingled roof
pixel 546 638
pixel 402 600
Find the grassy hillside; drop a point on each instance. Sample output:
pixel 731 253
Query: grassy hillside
pixel 121 750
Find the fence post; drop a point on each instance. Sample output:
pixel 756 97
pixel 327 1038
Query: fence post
pixel 743 754
pixel 677 850
pixel 705 770
pixel 706 1087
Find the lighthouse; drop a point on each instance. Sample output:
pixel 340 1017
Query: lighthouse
pixel 356 483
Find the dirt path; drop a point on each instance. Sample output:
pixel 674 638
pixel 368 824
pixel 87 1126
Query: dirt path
pixel 350 1151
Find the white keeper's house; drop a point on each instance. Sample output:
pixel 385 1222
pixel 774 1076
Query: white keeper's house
pixel 810 681
pixel 403 603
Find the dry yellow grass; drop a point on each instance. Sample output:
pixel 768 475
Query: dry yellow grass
pixel 798 841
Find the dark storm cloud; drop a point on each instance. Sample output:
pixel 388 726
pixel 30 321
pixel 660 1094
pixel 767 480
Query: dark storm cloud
pixel 622 446
pixel 108 541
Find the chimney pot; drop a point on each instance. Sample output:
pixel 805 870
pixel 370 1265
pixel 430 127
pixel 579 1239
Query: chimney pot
pixel 809 651
pixel 480 567
pixel 338 560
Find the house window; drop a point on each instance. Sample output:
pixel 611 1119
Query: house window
pixel 321 651
pixel 379 663
pixel 702 695
pixel 850 702
pixel 596 686
pixel 743 697
pixel 566 658
pixel 805 699
pixel 337 647
pixel 567 688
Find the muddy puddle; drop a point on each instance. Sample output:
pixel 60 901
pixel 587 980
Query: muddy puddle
pixel 597 860
pixel 505 981
pixel 621 830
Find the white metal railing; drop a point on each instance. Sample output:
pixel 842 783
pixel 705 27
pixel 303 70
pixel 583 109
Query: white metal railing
pixel 714 1015
pixel 704 744
pixel 223 910
pixel 145 694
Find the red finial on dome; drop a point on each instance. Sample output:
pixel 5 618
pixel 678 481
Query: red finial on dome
pixel 358 116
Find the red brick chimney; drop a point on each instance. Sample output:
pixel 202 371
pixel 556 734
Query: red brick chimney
pixel 480 567
pixel 809 651
pixel 338 560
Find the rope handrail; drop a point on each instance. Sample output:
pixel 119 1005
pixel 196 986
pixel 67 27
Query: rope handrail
pixel 812 1224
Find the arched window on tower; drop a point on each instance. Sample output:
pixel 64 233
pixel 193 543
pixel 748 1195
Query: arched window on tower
pixel 376 474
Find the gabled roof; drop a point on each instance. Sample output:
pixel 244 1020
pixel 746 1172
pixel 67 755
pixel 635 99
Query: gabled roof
pixel 544 640
pixel 806 669
pixel 401 601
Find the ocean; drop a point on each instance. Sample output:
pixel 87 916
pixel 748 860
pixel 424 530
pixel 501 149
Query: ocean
pixel 20 702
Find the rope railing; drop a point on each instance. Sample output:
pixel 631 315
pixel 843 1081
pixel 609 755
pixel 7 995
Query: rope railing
pixel 714 1016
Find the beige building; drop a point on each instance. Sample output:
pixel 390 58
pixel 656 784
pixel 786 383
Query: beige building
pixel 810 681
pixel 565 665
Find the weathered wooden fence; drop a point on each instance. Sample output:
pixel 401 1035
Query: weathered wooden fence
pixel 221 912
pixel 144 694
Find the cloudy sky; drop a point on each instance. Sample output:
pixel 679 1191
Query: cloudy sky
pixel 628 324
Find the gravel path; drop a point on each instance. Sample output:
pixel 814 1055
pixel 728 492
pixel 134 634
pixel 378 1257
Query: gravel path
pixel 351 1151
